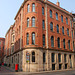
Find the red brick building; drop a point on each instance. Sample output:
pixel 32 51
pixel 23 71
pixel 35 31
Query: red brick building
pixel 41 38
pixel 2 44
pixel 74 29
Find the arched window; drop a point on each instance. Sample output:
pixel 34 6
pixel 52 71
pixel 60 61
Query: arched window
pixel 28 7
pixel 51 13
pixel 43 24
pixel 64 43
pixel 33 7
pixel 58 42
pixel 56 16
pixel 52 41
pixel 51 26
pixel 27 39
pixel 57 28
pixel 27 22
pixel 33 22
pixel 33 38
pixel 33 56
pixel 42 10
pixel 43 40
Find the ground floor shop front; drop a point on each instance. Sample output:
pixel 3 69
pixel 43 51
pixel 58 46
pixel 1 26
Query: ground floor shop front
pixel 35 60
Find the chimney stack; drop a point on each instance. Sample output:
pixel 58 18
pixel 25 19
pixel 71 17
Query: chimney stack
pixel 46 0
pixel 58 3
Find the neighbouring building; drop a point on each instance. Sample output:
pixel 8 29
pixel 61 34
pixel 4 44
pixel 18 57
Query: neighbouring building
pixel 41 39
pixel 2 44
pixel 74 29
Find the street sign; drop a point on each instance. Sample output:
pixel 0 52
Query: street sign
pixel 27 57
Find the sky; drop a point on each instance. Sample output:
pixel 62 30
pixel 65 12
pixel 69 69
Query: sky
pixel 9 9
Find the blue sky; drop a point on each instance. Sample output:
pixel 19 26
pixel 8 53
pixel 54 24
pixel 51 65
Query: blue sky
pixel 9 8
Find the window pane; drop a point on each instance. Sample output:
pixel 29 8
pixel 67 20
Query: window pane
pixel 51 26
pixel 33 22
pixel 33 56
pixel 28 22
pixel 63 30
pixel 42 10
pixel 43 40
pixel 65 60
pixel 57 28
pixel 43 23
pixel 58 40
pixel 28 8
pixel 52 41
pixel 12 48
pixel 66 20
pixel 27 39
pixel 56 16
pixel 13 37
pixel 51 13
pixel 68 32
pixel 71 23
pixel 62 18
pixel 64 43
pixel 43 57
pixel 33 7
pixel 59 57
pixel 53 57
pixel 33 38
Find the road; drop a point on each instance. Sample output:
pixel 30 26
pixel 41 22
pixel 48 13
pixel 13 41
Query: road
pixel 6 71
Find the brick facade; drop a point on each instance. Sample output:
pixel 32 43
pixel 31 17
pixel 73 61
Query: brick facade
pixel 74 29
pixel 2 44
pixel 40 49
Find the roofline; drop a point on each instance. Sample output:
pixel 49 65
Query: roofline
pixel 9 29
pixel 59 8
pixel 2 38
pixel 54 5
pixel 20 8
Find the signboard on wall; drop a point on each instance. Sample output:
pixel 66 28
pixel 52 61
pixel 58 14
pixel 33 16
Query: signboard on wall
pixel 27 57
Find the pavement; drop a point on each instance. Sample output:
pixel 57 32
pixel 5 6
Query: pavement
pixel 9 71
